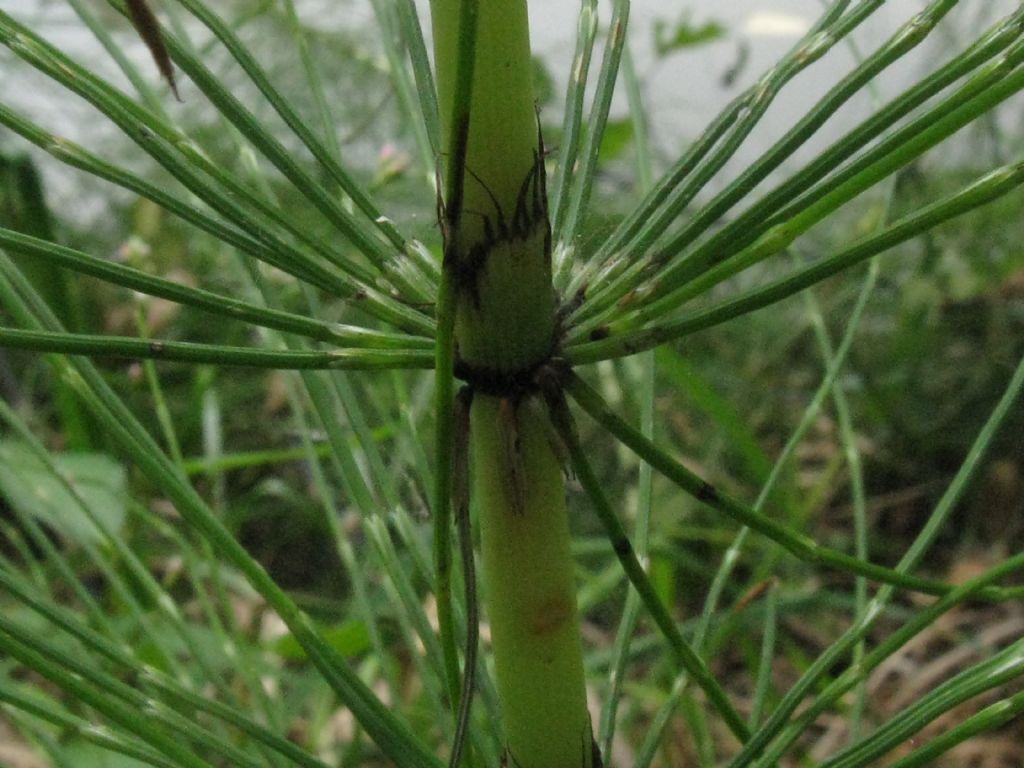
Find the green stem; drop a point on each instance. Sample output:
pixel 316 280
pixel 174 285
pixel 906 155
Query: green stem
pixel 499 235
pixel 528 576
pixel 497 283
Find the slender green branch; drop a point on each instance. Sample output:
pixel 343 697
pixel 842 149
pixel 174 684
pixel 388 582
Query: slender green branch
pixel 217 465
pixel 352 405
pixel 992 85
pixel 89 732
pixel 990 187
pixel 152 678
pixel 328 154
pixel 572 205
pixel 189 352
pixel 365 608
pixel 189 164
pixel 731 558
pixel 412 34
pixel 461 495
pixel 328 126
pixel 156 391
pixel 275 252
pixel 572 121
pixel 906 38
pixel 381 724
pixel 645 485
pixel 684 655
pixel 67 673
pixel 462 65
pixel 412 105
pixel 727 132
pixel 799 545
pixel 142 581
pixel 986 720
pixel 225 306
pixel 415 627
pixel 784 733
pixel 753 222
pixel 1002 668
pixel 365 240
pixel 459 80
pixel 46 550
pixel 80 676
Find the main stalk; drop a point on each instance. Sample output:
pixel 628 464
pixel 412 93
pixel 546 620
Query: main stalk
pixel 498 263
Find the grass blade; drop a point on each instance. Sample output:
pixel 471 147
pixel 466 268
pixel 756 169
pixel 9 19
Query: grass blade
pixel 973 588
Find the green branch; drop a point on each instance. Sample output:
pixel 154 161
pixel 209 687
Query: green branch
pixel 684 655
pixel 990 187
pixel 224 306
pixel 387 730
pixel 214 354
pixel 462 60
pixel 799 545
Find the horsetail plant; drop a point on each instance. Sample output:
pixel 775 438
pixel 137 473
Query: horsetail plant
pixel 507 313
pixel 498 306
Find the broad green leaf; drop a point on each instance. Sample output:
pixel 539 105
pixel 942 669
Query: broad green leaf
pixel 348 638
pixel 617 136
pixel 97 480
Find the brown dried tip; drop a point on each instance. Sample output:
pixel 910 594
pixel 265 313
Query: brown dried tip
pixel 756 592
pixel 145 23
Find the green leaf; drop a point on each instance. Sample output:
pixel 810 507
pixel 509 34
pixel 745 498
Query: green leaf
pixel 616 138
pixel 669 39
pixel 349 638
pixel 91 486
